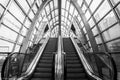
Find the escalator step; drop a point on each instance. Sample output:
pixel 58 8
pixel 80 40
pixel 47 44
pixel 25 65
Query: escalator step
pixel 43 70
pixel 76 79
pixel 47 55
pixel 45 61
pixel 75 70
pixel 70 55
pixel 41 79
pixel 76 75
pixel 42 75
pixel 46 58
pixel 72 62
pixel 44 65
pixel 72 58
pixel 74 66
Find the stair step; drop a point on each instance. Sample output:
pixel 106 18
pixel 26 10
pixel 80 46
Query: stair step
pixel 75 70
pixel 48 58
pixel 44 65
pixel 71 55
pixel 72 58
pixel 41 79
pixel 74 66
pixel 72 61
pixel 76 79
pixel 48 55
pixel 42 75
pixel 45 61
pixel 76 75
pixel 43 69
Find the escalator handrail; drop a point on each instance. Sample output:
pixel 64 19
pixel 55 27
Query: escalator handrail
pixel 59 62
pixel 113 68
pixel 33 64
pixel 84 61
pixel 7 61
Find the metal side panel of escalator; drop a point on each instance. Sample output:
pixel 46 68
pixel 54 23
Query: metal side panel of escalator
pixel 45 67
pixel 74 69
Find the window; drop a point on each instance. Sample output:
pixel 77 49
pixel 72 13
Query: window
pixel 55 3
pixel 47 9
pixel 35 8
pixel 87 14
pixel 112 33
pixel 98 39
pixel 114 45
pixel 31 15
pixel 67 5
pixel 88 1
pixel 91 22
pixel 56 12
pixel 103 9
pixel 107 21
pixel 4 2
pixel 27 23
pixel 80 2
pixel 1 10
pixel 11 22
pixel 7 33
pixel 115 1
pixel 63 3
pixel 94 4
pixel 51 5
pixel 17 47
pixel 71 9
pixel 20 39
pixel 24 5
pixel 15 10
pixel 84 30
pixel 24 31
pixel 118 9
pixel 6 44
pixel 95 31
pixel 84 8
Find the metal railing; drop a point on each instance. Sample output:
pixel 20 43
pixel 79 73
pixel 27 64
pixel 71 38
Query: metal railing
pixel 99 65
pixel 12 69
pixel 59 62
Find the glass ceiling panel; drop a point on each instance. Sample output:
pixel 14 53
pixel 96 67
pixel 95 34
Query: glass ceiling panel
pixel 63 3
pixel 51 5
pixel 80 2
pixel 55 4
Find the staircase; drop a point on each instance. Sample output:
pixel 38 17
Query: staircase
pixel 45 67
pixel 74 69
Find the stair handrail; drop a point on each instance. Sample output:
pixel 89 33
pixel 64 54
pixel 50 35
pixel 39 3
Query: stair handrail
pixel 111 66
pixel 84 61
pixel 59 62
pixel 33 64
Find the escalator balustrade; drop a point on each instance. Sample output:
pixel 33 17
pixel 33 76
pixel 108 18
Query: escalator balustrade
pixel 45 67
pixel 74 69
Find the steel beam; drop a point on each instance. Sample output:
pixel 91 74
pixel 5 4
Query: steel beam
pixel 32 27
pixel 59 11
pixel 87 26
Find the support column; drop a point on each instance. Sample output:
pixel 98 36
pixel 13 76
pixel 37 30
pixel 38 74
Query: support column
pixel 87 26
pixel 59 11
pixel 32 27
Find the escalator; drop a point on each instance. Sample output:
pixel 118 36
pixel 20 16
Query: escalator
pixel 45 67
pixel 74 69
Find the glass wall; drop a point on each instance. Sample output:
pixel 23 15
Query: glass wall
pixel 103 17
pixel 15 19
